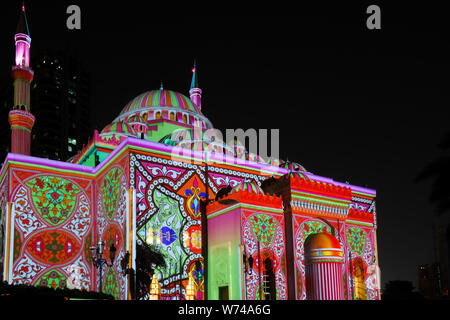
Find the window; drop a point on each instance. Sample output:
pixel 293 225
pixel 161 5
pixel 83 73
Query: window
pixel 158 115
pixel 172 116
pixel 185 118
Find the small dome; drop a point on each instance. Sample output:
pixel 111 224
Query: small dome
pixel 293 166
pixel 120 128
pixel 249 187
pixel 298 175
pixel 136 118
pixel 321 241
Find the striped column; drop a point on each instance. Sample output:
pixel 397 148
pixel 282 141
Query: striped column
pixel 21 123
pixel 323 261
pixel 324 281
pixel 20 118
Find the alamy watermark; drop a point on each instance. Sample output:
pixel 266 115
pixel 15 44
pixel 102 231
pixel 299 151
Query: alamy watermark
pixel 199 146
pixel 74 19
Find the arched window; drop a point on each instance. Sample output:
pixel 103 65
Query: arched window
pixel 172 116
pixel 185 119
pixel 158 115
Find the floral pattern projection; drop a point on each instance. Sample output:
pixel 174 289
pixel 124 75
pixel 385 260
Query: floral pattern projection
pixel 359 275
pixel 361 265
pixel 3 203
pixel 53 223
pixel 111 225
pixel 269 231
pixel 168 195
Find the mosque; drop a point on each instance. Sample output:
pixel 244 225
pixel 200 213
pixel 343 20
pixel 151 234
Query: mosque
pixel 229 224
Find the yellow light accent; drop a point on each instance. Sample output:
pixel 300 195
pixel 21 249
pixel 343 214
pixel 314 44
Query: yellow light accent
pixel 155 288
pixel 326 253
pixel 190 289
pixel 150 236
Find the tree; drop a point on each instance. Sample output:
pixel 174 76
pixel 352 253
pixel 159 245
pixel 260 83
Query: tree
pixel 439 169
pixel 146 257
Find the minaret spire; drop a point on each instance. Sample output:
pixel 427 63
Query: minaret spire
pixel 195 92
pixel 22 24
pixel 20 118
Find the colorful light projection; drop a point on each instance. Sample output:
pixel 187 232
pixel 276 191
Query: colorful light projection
pixel 363 277
pixel 168 195
pixel 52 227
pixel 155 288
pixel 324 260
pixel 111 217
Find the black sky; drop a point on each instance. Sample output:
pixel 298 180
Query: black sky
pixel 357 105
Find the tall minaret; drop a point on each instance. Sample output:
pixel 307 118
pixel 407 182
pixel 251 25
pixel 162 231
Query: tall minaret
pixel 20 118
pixel 195 92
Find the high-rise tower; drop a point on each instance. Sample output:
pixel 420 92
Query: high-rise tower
pixel 20 118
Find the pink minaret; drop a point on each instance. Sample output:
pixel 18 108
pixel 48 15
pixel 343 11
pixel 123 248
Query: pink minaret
pixel 195 92
pixel 20 118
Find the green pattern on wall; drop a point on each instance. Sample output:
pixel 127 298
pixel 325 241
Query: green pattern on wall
pixel 310 227
pixel 53 197
pixel 356 239
pixel 110 190
pixel 53 279
pixel 263 228
pixel 110 283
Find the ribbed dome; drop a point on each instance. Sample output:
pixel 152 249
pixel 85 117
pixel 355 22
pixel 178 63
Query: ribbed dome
pixel 249 187
pixel 160 98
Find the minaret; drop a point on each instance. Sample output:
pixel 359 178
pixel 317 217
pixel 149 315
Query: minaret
pixel 195 92
pixel 20 119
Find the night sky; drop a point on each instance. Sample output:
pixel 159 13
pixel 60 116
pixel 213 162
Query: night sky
pixel 364 106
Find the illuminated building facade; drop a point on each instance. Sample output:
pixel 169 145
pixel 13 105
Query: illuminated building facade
pixel 229 224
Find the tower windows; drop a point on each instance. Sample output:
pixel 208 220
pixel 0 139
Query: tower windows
pixel 158 115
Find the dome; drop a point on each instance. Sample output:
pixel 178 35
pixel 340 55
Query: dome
pixel 298 175
pixel 120 128
pixel 321 241
pixel 136 118
pixel 249 187
pixel 160 98
pixel 293 166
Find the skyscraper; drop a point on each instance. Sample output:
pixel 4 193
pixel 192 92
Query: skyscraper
pixel 60 98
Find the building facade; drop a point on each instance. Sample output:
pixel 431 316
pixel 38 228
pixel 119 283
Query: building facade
pixel 229 224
